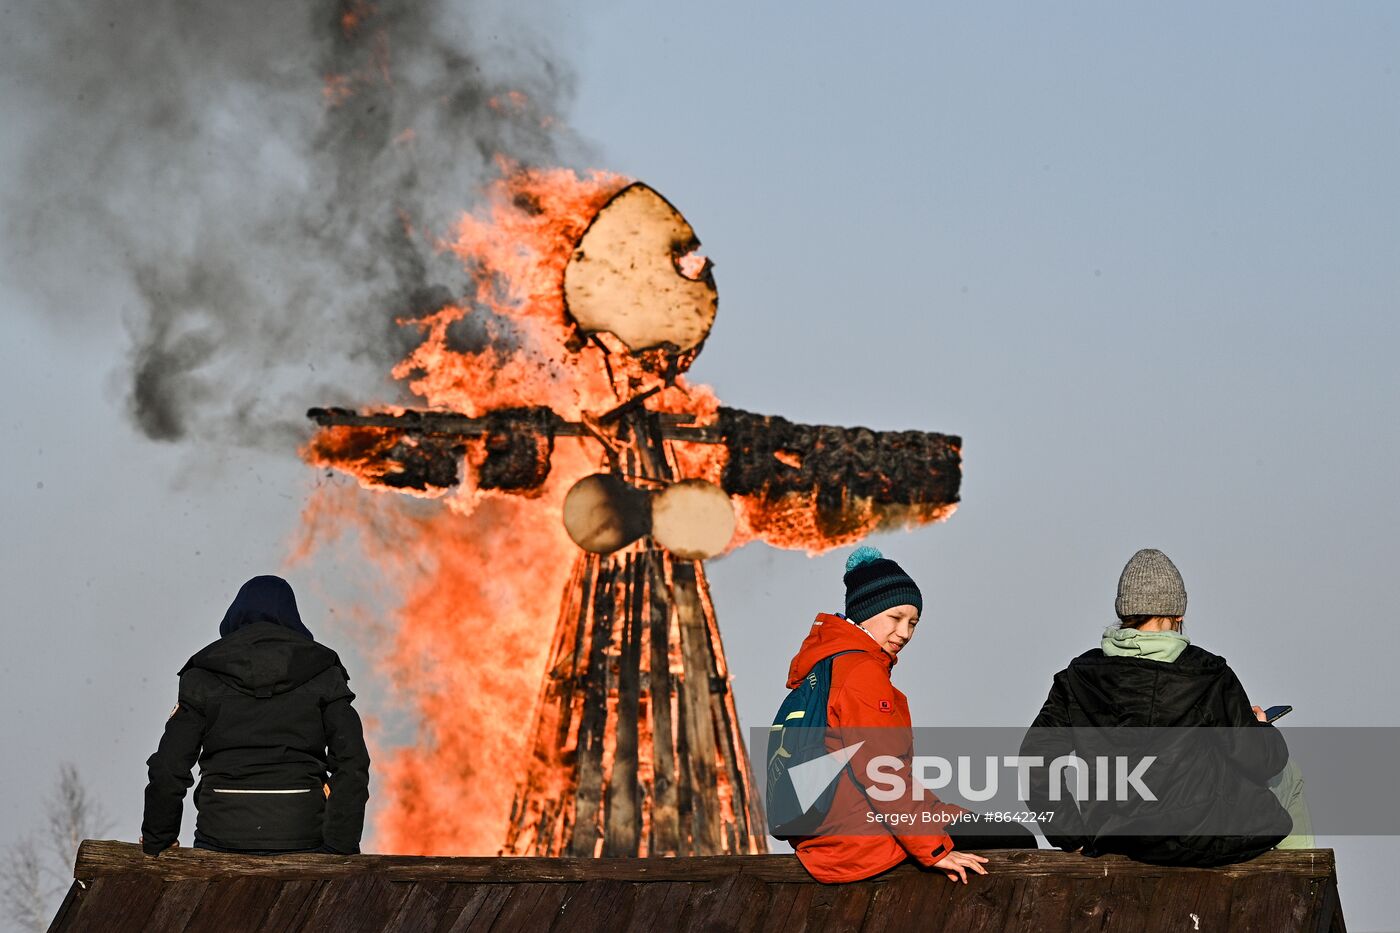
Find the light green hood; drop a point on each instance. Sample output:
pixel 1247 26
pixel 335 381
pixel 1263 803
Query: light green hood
pixel 1133 643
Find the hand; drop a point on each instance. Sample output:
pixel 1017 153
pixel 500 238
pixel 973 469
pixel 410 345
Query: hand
pixel 955 865
pixel 1259 714
pixel 141 841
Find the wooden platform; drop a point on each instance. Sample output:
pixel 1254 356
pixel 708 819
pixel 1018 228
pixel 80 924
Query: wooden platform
pixel 119 889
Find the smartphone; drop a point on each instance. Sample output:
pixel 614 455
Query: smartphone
pixel 1276 712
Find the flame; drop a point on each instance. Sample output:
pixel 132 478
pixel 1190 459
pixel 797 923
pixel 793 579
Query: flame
pixel 481 572
pixel 479 582
pixel 515 101
pixel 337 89
pixel 354 16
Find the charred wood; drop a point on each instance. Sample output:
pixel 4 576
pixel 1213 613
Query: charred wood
pixel 772 457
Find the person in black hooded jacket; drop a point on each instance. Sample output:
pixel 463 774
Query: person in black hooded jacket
pixel 1149 691
pixel 267 712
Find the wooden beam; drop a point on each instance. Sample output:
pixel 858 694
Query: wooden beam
pixel 452 424
pixel 98 859
pixel 588 792
pixel 697 726
pixel 622 819
pixel 661 700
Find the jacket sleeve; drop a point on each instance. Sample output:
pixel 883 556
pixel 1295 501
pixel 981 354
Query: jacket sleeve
pixel 347 763
pixel 169 773
pixel 1049 738
pixel 864 705
pixel 1256 748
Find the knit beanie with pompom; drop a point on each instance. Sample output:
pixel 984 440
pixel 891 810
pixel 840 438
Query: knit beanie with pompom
pixel 875 583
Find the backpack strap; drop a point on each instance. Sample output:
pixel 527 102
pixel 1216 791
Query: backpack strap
pixel 848 771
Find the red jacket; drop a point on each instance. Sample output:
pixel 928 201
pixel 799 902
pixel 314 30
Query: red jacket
pixel 863 697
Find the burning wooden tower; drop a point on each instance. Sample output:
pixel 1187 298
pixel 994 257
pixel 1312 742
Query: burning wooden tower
pixel 636 747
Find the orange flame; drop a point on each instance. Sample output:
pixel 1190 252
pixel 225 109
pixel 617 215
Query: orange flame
pixel 482 575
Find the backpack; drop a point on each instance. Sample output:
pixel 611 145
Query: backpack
pixel 799 731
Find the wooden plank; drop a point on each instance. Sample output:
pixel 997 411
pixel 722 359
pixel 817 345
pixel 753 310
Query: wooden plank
pixel 178 903
pixel 1263 905
pixel 536 820
pixel 1330 918
pixel 657 906
pixel 293 903
pixel 480 914
pixel 597 905
pixel 748 810
pixel 1129 896
pixel 354 904
pixel 421 907
pixel 736 906
pixel 379 905
pixel 1042 906
pixel 533 907
pixel 117 903
pixel 934 895
pixel 589 789
pixel 462 903
pixel 983 904
pixel 101 859
pixel 695 718
pixel 622 822
pixel 745 827
pixel 76 892
pixel 1107 904
pixel 235 905
pixel 895 904
pixel 337 899
pixel 1189 900
pixel 788 906
pixel 1338 925
pixel 840 908
pixel 665 812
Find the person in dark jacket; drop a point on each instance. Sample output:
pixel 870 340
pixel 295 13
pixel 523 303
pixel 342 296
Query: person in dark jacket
pixel 267 712
pixel 1214 805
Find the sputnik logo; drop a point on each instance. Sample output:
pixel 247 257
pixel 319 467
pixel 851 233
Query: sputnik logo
pixel 811 778
pixel 888 777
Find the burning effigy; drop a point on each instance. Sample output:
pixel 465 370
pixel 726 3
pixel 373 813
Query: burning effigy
pixel 560 420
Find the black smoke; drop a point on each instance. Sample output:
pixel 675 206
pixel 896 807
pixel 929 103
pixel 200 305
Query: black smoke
pixel 256 186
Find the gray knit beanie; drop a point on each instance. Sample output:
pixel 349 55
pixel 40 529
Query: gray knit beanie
pixel 1150 586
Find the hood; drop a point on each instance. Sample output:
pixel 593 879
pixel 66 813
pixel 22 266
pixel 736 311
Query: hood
pixel 1137 691
pixel 1135 643
pixel 831 635
pixel 263 659
pixel 264 599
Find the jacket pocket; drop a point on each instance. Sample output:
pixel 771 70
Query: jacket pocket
pixel 245 817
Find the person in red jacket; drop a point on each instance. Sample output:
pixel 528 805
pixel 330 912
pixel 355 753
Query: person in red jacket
pixel 864 708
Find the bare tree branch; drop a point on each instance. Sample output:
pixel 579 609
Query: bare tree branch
pixel 72 815
pixel 26 889
pixel 35 874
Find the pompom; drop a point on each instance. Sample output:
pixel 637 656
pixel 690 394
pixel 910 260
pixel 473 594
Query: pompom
pixel 862 555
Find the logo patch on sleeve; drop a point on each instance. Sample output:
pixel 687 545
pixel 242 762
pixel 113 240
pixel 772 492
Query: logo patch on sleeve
pixel 885 707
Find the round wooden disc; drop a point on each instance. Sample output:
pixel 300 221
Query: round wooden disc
pixel 602 513
pixel 630 275
pixel 693 519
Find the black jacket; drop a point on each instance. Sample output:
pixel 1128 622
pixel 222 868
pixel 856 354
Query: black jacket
pixel 1213 804
pixel 282 757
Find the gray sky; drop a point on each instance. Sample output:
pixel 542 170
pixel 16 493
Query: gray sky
pixel 1146 263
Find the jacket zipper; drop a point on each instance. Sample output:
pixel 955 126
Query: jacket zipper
pixel 234 790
